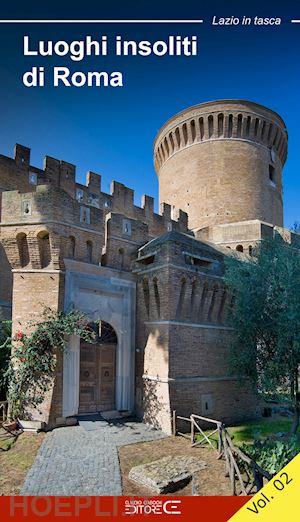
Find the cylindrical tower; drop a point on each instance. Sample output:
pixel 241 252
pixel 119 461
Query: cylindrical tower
pixel 221 162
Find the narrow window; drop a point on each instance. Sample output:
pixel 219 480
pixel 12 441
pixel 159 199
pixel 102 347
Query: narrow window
pixel 256 127
pixel 222 308
pixel 126 227
pixel 166 147
pixel 79 195
pixel 159 156
pixel 44 249
pixel 221 125
pixel 193 294
pixel 156 296
pixel 71 247
pixel 203 299
pixel 184 131
pixel 239 125
pixel 177 136
pixel 193 130
pixel 210 125
pixel 212 304
pixel 272 174
pixel 85 215
pixel 230 125
pixel 181 298
pixel 32 178
pixel 23 249
pixel 263 131
pixel 107 203
pixel 89 251
pixel 248 123
pixel 201 125
pixel 146 293
pixel 171 141
pixel 277 134
pixel 121 254
pixel 269 132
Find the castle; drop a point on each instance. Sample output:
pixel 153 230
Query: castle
pixel 154 281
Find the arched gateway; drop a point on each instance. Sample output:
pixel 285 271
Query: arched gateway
pixel 100 377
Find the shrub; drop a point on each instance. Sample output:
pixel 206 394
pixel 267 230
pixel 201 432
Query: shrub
pixel 33 362
pixel 272 455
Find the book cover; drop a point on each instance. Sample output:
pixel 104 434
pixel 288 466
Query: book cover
pixel 149 260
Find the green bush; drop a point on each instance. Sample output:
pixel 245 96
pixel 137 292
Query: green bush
pixel 29 374
pixel 272 455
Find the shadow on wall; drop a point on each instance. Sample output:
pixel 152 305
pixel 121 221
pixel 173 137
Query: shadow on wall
pixel 152 405
pixel 157 340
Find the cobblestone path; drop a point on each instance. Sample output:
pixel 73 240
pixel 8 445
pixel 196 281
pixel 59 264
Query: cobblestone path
pixel 83 460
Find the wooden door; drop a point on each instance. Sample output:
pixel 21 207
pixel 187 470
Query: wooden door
pixel 97 377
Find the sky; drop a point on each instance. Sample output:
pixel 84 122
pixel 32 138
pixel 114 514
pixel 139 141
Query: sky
pixel 111 130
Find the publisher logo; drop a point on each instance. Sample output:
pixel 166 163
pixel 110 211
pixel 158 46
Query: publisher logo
pixel 152 507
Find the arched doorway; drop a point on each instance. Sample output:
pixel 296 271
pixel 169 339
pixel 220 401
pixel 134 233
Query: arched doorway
pixel 98 370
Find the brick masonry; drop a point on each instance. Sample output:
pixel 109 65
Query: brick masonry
pixel 232 154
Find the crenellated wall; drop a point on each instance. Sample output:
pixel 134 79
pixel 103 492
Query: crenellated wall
pixel 16 174
pixel 46 217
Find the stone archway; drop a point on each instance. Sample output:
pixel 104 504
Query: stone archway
pixel 98 370
pixel 100 292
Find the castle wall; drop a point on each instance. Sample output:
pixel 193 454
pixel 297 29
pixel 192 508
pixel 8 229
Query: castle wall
pixel 244 235
pixel 33 291
pixel 182 338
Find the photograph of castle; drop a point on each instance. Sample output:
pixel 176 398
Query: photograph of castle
pixel 154 281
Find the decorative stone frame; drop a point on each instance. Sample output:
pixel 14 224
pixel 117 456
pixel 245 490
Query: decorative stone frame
pixel 109 295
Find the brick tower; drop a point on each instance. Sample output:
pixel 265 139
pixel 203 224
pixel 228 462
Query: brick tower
pixel 222 162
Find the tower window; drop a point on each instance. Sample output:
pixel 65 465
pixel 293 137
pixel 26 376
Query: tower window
pixel 32 177
pixel 79 195
pixel 85 215
pixel 272 174
pixel 126 228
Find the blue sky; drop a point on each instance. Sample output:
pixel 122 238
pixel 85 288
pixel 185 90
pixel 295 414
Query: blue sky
pixel 111 131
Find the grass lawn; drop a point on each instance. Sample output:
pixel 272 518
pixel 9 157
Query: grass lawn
pixel 16 457
pixel 257 429
pixel 260 429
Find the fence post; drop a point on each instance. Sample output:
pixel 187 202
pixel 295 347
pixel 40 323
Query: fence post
pixel 192 430
pixel 174 428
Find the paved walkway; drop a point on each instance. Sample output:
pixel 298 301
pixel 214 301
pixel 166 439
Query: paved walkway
pixel 83 460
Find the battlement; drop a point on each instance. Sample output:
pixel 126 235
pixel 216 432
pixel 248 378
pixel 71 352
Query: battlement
pixel 219 120
pixel 18 174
